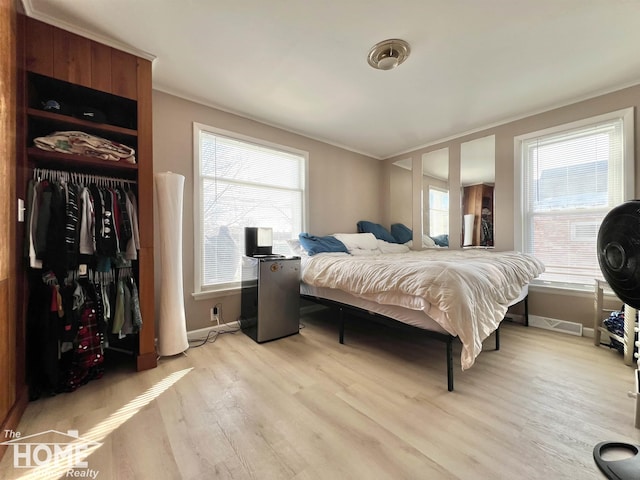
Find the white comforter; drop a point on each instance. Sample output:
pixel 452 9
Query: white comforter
pixel 471 288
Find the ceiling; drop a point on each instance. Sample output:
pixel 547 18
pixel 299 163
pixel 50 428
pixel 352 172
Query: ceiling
pixel 302 65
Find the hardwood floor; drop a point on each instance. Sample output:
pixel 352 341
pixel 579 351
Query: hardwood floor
pixel 306 407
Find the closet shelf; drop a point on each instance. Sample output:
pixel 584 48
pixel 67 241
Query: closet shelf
pixel 611 335
pixel 600 314
pixel 78 162
pixel 78 122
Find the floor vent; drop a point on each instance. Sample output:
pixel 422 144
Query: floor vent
pixel 561 326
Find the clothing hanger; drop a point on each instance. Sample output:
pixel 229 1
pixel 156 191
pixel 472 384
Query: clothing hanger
pixel 74 177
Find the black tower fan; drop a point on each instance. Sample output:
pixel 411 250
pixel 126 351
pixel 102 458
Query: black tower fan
pixel 619 259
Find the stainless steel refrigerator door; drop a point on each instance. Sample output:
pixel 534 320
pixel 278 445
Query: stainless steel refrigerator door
pixel 279 298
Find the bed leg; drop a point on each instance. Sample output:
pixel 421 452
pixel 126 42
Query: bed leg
pixel 526 311
pixel 498 338
pixel 450 364
pixel 341 319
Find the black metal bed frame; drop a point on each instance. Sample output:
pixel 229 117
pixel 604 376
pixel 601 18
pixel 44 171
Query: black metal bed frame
pixel 448 339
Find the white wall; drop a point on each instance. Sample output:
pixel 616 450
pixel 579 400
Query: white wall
pixel 344 187
pixel 574 307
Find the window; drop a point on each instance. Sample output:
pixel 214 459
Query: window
pixel 570 177
pixel 242 182
pixel 438 211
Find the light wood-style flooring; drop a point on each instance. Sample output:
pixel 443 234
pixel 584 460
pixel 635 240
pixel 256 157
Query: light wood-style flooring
pixel 306 407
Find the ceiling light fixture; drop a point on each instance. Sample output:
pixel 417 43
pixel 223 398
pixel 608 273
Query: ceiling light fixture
pixel 388 54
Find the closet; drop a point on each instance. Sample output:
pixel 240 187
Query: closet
pixel 74 84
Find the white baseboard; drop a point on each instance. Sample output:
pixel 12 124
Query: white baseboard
pixel 556 325
pixel 536 321
pixel 201 333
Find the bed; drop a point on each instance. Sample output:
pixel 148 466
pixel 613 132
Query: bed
pixel 450 294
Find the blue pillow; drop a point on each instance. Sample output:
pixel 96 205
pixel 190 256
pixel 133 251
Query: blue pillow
pixel 378 231
pixel 441 240
pixel 401 232
pixel 313 244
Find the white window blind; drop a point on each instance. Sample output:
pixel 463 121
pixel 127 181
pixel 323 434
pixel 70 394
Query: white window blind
pixel 571 178
pixel 242 183
pixel 438 211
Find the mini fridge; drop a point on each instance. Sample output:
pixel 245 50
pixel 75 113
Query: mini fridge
pixel 270 299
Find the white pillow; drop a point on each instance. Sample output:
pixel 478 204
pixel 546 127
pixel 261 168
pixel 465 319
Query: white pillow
pixel 386 247
pixel 427 241
pixel 359 241
pixel 296 248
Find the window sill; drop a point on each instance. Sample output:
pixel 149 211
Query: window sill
pixel 207 294
pixel 576 291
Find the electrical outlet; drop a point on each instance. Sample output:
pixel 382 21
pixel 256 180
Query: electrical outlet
pixel 215 314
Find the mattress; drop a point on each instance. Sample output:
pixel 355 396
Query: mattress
pixel 466 292
pixel 415 318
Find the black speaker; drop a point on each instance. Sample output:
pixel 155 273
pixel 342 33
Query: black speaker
pixel 258 241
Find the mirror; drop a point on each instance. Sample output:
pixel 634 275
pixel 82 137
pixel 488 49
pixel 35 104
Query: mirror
pixel 402 192
pixel 477 179
pixel 435 198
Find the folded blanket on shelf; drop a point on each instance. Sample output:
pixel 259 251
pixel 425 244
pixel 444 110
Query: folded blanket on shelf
pixel 82 143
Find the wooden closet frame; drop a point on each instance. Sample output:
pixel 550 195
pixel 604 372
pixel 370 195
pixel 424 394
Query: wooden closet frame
pixel 43 49
pixel 66 57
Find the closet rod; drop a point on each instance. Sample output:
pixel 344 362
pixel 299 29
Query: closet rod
pixel 78 177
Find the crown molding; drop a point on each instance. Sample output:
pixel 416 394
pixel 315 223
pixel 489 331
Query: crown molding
pixel 30 11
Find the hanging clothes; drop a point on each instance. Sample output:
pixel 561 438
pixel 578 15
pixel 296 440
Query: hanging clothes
pixel 135 305
pixel 55 256
pixel 87 243
pixel 66 222
pixel 133 245
pixel 79 232
pixel 43 191
pixel 125 221
pixel 72 230
pixel 41 340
